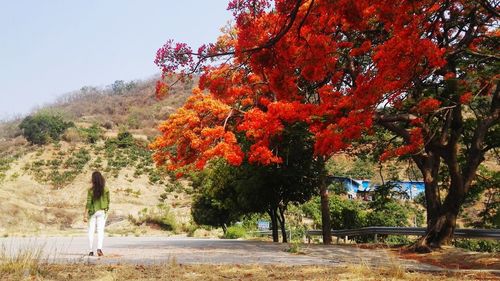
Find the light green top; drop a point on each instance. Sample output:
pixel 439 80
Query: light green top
pixel 94 205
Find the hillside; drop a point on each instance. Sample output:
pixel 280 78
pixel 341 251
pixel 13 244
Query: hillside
pixel 43 188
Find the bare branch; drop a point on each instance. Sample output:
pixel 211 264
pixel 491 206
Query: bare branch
pixel 488 56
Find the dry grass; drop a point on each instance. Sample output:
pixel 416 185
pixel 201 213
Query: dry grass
pixel 25 263
pixel 174 271
pixel 136 108
pixel 28 264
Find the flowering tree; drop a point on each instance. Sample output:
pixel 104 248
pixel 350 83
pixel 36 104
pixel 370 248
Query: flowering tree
pixel 426 71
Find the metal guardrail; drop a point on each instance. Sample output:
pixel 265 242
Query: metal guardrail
pixel 409 231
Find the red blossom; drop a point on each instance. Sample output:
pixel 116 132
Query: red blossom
pixel 466 98
pixel 331 71
pixel 428 105
pixel 161 89
pixel 450 75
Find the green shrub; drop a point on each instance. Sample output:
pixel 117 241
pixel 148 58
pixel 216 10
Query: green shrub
pixel 190 228
pixel 125 139
pixel 42 128
pixel 154 177
pixel 477 245
pixel 130 192
pixel 393 214
pixel 160 215
pixel 398 240
pixel 58 179
pixel 173 186
pixel 93 133
pixel 235 232
pixel 346 213
pixel 294 248
pixel 311 209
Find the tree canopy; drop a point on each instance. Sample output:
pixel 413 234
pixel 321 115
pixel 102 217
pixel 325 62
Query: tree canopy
pixel 425 71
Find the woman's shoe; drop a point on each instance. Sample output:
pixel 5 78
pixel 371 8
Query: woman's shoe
pixel 99 252
pixel 91 254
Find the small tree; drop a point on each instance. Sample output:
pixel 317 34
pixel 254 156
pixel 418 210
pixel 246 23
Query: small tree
pixel 215 201
pixel 225 193
pixel 42 127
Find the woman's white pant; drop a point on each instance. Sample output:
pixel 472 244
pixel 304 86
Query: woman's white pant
pixel 99 219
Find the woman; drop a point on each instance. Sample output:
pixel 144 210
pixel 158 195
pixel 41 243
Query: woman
pixel 97 208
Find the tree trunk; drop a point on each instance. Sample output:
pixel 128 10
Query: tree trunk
pixel 281 219
pixel 441 232
pixel 442 228
pixel 441 221
pixel 326 224
pixel 429 167
pixel 224 228
pixel 274 224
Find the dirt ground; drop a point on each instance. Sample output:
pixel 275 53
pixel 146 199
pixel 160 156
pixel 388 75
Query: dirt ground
pixel 453 258
pixel 448 257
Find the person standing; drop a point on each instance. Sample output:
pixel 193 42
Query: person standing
pixel 96 209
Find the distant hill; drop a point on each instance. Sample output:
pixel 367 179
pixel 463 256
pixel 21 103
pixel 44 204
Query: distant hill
pixel 43 188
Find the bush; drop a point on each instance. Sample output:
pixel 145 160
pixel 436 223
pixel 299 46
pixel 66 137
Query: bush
pixel 206 210
pixel 93 133
pixel 160 216
pixel 42 128
pixel 235 232
pixel 124 139
pixel 398 240
pixel 294 248
pixel 312 209
pixel 393 214
pixel 420 199
pixel 190 229
pixel 478 245
pixel 346 214
pixel 72 135
pixel 108 125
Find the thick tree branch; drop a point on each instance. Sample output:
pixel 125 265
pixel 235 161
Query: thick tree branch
pixel 395 129
pixel 395 117
pixel 476 152
pixel 487 56
pixel 304 18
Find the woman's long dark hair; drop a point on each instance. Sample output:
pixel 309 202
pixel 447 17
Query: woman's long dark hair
pixel 98 183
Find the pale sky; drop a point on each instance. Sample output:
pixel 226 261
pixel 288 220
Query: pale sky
pixel 51 47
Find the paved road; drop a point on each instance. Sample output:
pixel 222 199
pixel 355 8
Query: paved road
pixel 151 250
